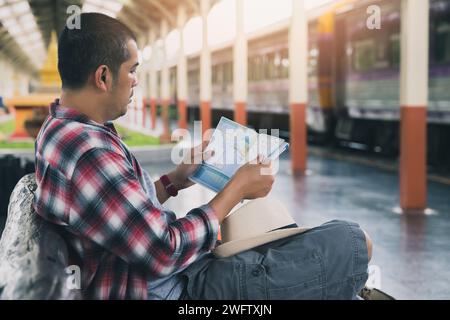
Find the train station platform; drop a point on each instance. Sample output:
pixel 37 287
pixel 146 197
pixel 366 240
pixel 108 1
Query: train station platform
pixel 410 257
pixel 363 76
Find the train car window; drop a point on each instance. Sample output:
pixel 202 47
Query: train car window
pixel 269 66
pixel 251 69
pixel 227 73
pixel 220 74
pixel 214 74
pixel 276 65
pixel 382 60
pixel 265 67
pixel 372 50
pixel 395 50
pixel 364 55
pixel 313 57
pixel 284 64
pixel 230 66
pixel 442 50
pixel 231 72
pixel 173 83
pixel 193 77
pixel 373 53
pixel 217 74
pixel 259 68
pixel 220 77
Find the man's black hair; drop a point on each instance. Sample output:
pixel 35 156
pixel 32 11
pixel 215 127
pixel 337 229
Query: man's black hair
pixel 101 40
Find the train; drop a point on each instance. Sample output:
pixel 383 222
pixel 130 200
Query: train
pixel 353 79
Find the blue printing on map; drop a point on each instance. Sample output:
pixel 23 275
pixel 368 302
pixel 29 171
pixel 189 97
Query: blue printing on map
pixel 210 177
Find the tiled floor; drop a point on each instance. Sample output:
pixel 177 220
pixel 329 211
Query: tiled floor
pixel 411 253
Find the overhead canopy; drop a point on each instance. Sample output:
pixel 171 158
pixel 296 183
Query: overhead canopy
pixel 15 25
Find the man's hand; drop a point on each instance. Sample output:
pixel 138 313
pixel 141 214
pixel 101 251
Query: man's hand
pixel 189 165
pixel 251 181
pixel 254 179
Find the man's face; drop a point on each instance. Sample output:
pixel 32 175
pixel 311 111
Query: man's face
pixel 125 81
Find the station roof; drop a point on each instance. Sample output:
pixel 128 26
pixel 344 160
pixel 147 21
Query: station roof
pixel 51 15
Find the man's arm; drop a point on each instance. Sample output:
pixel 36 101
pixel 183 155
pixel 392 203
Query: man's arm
pixel 110 208
pixel 161 191
pixel 180 176
pixel 249 182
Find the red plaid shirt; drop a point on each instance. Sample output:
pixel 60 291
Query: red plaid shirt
pixel 91 185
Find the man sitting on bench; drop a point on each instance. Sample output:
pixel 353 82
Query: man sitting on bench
pixel 111 213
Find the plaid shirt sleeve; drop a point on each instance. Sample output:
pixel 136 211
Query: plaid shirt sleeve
pixel 110 207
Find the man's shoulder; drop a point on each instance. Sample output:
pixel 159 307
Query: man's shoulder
pixel 69 140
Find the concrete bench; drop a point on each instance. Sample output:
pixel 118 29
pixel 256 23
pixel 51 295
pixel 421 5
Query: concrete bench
pixel 33 256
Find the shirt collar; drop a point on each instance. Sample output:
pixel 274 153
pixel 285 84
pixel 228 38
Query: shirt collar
pixel 59 112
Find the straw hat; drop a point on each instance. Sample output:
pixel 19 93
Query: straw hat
pixel 256 223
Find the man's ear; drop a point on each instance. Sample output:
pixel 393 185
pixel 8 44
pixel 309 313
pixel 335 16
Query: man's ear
pixel 103 78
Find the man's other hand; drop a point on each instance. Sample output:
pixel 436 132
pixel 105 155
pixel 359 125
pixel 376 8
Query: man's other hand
pixel 254 179
pixel 192 160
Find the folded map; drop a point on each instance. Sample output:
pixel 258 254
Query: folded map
pixel 234 145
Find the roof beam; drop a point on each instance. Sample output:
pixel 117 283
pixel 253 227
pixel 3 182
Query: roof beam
pixel 164 11
pixel 131 25
pixel 194 6
pixel 132 6
pixel 134 19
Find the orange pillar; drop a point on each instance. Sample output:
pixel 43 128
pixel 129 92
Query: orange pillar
pixel 153 113
pixel 22 113
pixel 205 115
pixel 413 151
pixel 298 86
pixel 165 86
pixel 165 136
pixel 205 70
pixel 414 100
pixel 182 71
pixel 298 138
pixel 240 67
pixel 153 79
pixel 240 114
pixel 182 114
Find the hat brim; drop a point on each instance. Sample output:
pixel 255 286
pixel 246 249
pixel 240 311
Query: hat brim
pixel 237 246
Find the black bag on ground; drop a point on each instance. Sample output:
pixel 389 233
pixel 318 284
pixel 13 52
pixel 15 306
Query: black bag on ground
pixel 11 171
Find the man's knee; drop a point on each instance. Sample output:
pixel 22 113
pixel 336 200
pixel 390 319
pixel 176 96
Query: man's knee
pixel 369 245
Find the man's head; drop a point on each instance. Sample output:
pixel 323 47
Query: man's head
pixel 101 57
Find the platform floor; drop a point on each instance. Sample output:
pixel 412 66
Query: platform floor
pixel 411 253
